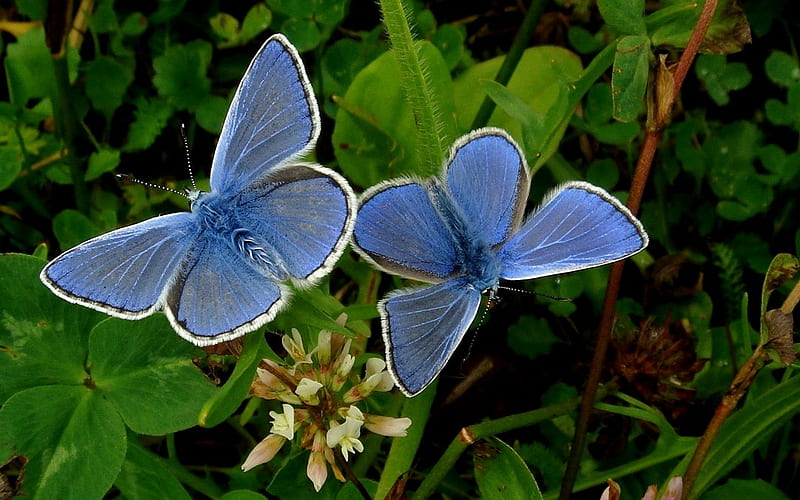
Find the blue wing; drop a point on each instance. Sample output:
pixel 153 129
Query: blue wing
pixel 422 328
pixel 304 213
pixel 488 179
pixel 273 118
pixel 126 272
pixel 399 229
pixel 578 226
pixel 218 296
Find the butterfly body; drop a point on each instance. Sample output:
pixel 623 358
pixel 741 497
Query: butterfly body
pixel 222 269
pixel 464 232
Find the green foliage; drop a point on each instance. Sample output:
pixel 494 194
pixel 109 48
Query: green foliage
pixel 500 472
pixel 71 374
pixel 81 391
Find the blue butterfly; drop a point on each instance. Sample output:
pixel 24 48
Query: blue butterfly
pixel 464 232
pixel 220 270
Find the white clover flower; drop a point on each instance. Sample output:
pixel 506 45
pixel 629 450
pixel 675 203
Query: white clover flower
pixel 264 451
pixel 318 390
pixel 307 390
pixel 283 423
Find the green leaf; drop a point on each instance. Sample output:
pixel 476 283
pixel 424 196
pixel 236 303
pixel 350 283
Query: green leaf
pixel 539 81
pixel 73 438
pixel 782 68
pixel 144 477
pixel 727 34
pixel 782 267
pixel 24 63
pixel 330 13
pixel 303 33
pixel 501 473
pixel 145 370
pixel 630 76
pixel 135 24
pixel 720 77
pixel 242 495
pixel 43 339
pixel 100 162
pixel 180 74
pixel 449 39
pixel 226 27
pixel 747 429
pixel 211 113
pixel 106 83
pixel 531 336
pixel 625 17
pixel 301 9
pixel 234 33
pixel 10 165
pixel 72 227
pixel 342 61
pixel 255 22
pixel 150 118
pixel 167 9
pixel 35 9
pixel 745 489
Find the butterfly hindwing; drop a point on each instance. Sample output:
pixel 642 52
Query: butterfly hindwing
pixel 273 118
pixel 399 229
pixel 488 179
pixel 305 213
pixel 125 272
pixel 422 328
pixel 218 296
pixel 579 226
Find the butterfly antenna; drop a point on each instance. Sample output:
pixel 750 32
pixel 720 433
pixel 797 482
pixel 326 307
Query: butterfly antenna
pixel 539 294
pixel 185 138
pixel 130 178
pixel 493 299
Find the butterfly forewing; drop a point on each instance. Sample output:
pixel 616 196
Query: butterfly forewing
pixel 399 229
pixel 578 227
pixel 273 118
pixel 488 180
pixel 126 271
pixel 422 328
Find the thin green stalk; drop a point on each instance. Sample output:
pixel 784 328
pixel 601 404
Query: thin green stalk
pixel 66 121
pixel 403 451
pixel 415 81
pixel 512 58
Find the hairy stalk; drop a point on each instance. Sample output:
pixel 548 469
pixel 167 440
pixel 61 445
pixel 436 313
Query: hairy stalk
pixel 416 84
pixel 652 138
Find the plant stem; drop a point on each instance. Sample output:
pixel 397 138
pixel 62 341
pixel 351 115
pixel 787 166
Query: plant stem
pixel 512 58
pixel 741 383
pixel 647 153
pixel 403 451
pixel 416 84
